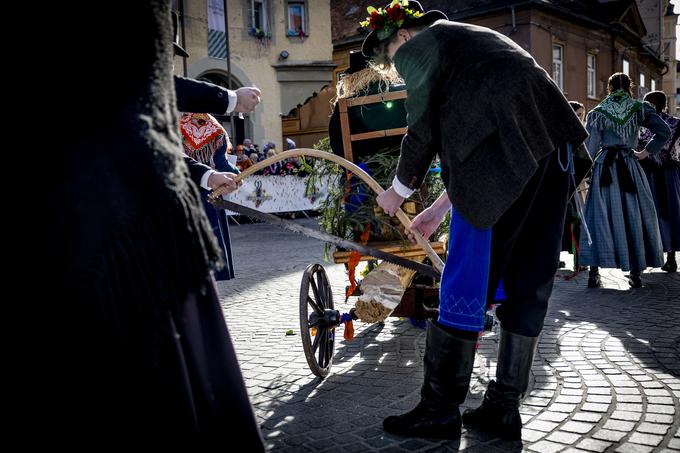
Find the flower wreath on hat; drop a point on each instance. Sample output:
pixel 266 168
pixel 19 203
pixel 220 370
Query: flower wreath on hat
pixel 389 19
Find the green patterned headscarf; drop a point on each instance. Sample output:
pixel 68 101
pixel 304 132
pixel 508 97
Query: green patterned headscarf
pixel 618 113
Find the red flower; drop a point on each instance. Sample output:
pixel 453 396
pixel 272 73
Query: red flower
pixel 395 14
pixel 377 21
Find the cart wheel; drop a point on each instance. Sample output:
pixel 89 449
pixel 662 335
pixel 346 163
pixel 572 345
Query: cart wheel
pixel 318 319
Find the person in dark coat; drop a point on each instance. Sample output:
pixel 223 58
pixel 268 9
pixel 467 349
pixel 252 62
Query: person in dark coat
pixel 572 222
pixel 505 136
pixel 136 349
pixel 206 141
pixel 206 158
pixel 663 174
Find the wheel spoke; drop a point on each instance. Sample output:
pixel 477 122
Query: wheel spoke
pixel 322 348
pixel 315 290
pixel 329 347
pixel 315 344
pixel 315 306
pixel 329 295
pixel 322 284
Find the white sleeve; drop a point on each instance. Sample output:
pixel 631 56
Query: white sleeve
pixel 232 101
pixel 401 189
pixel 204 179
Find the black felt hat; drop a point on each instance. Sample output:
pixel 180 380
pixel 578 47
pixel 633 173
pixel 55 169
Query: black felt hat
pixel 388 28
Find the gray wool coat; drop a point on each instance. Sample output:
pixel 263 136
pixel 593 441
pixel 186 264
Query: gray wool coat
pixel 481 103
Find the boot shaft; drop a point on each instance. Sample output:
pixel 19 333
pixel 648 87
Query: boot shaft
pixel 448 366
pixel 515 358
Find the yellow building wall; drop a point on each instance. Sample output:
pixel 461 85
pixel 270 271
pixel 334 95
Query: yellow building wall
pixel 251 62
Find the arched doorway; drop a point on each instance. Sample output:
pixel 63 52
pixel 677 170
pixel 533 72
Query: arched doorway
pixel 241 126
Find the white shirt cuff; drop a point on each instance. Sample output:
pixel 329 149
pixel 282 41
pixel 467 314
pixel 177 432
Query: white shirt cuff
pixel 401 189
pixel 232 101
pixel 204 179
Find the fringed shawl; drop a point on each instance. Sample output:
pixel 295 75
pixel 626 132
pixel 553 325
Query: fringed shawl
pixel 617 113
pixel 202 136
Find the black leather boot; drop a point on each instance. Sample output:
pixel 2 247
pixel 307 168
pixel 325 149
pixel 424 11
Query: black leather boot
pixel 594 280
pixel 499 412
pixel 670 265
pixel 448 366
pixel 634 279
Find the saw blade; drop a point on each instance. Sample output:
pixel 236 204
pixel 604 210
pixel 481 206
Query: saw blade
pixel 325 237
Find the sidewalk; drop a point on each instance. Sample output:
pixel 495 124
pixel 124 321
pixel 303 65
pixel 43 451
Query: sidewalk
pixel 606 376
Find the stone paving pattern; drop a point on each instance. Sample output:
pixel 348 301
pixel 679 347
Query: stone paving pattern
pixel 606 376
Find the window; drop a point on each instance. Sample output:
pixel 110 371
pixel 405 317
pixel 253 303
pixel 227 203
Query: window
pixel 297 18
pixel 653 85
pixel 592 76
pixel 642 89
pixel 626 67
pixel 259 19
pixel 558 65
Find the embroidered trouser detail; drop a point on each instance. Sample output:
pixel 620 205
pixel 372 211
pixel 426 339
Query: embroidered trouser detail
pixel 465 278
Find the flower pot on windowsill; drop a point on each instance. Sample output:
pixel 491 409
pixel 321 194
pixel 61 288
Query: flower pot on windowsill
pixel 260 35
pixel 293 34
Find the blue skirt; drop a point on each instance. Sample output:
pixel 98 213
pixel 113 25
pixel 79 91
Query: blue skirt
pixel 220 226
pixel 623 225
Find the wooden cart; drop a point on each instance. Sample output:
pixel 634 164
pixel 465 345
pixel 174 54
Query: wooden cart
pixel 318 316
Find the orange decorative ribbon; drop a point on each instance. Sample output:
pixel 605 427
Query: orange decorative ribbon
pixel 354 259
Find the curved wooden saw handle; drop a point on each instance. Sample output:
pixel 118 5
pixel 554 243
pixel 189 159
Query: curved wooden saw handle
pixel 356 170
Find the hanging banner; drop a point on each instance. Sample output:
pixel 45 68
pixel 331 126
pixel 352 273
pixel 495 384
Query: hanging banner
pixel 217 38
pixel 280 193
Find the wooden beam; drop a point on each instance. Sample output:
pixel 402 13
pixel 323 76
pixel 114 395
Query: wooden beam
pixel 377 98
pixel 382 290
pixel 409 251
pixel 378 134
pixel 344 128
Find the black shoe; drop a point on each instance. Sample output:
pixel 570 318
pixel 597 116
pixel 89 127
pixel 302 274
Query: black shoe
pixel 635 281
pixel 425 422
pixel 670 266
pixel 499 412
pixel 494 417
pixel 594 281
pixel 562 264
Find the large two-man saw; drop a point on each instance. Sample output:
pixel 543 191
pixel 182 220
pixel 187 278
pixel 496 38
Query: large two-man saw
pixel 432 271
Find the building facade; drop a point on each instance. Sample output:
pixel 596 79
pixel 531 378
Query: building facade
pixel 281 46
pixel 579 43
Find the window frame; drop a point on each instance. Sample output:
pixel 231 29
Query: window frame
pixel 558 64
pixel 305 17
pixel 264 19
pixel 591 76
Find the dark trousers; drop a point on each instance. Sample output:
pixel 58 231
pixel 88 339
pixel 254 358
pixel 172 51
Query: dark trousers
pixel 525 249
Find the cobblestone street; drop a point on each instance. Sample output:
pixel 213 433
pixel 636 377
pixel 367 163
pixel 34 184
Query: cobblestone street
pixel 606 376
